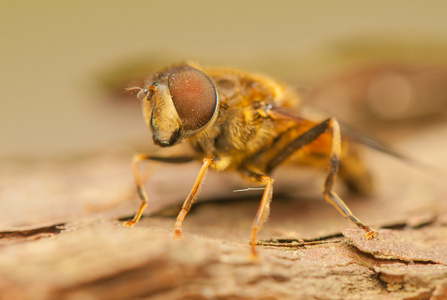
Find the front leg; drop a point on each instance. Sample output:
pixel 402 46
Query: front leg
pixel 191 197
pixel 138 182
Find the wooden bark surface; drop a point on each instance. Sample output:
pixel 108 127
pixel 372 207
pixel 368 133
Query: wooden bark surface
pixel 61 237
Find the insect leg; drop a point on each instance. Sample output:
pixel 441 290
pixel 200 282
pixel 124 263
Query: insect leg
pixel 301 141
pixel 140 190
pixel 191 198
pixel 264 207
pixel 331 197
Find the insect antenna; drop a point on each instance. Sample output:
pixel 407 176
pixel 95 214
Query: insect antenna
pixel 132 89
pixel 132 86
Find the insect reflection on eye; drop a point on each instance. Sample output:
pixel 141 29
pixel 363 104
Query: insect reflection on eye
pixel 246 123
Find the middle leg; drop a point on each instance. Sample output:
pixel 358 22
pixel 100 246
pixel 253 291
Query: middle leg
pixel 263 209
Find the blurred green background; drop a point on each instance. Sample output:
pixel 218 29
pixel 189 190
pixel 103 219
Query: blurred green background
pixel 58 58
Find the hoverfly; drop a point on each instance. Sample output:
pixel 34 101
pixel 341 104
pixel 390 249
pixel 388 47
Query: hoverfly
pixel 251 124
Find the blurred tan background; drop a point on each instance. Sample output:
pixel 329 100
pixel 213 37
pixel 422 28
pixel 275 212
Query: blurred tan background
pixel 55 57
pixel 68 133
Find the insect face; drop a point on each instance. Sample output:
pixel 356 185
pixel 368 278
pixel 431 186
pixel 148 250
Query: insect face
pixel 180 102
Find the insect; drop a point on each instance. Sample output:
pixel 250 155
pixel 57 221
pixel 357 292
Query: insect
pixel 247 123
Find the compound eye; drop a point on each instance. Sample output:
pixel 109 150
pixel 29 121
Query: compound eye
pixel 194 96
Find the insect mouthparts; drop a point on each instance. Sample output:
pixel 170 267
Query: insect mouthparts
pixel 175 137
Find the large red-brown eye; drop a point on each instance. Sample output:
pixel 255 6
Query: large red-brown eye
pixel 194 96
